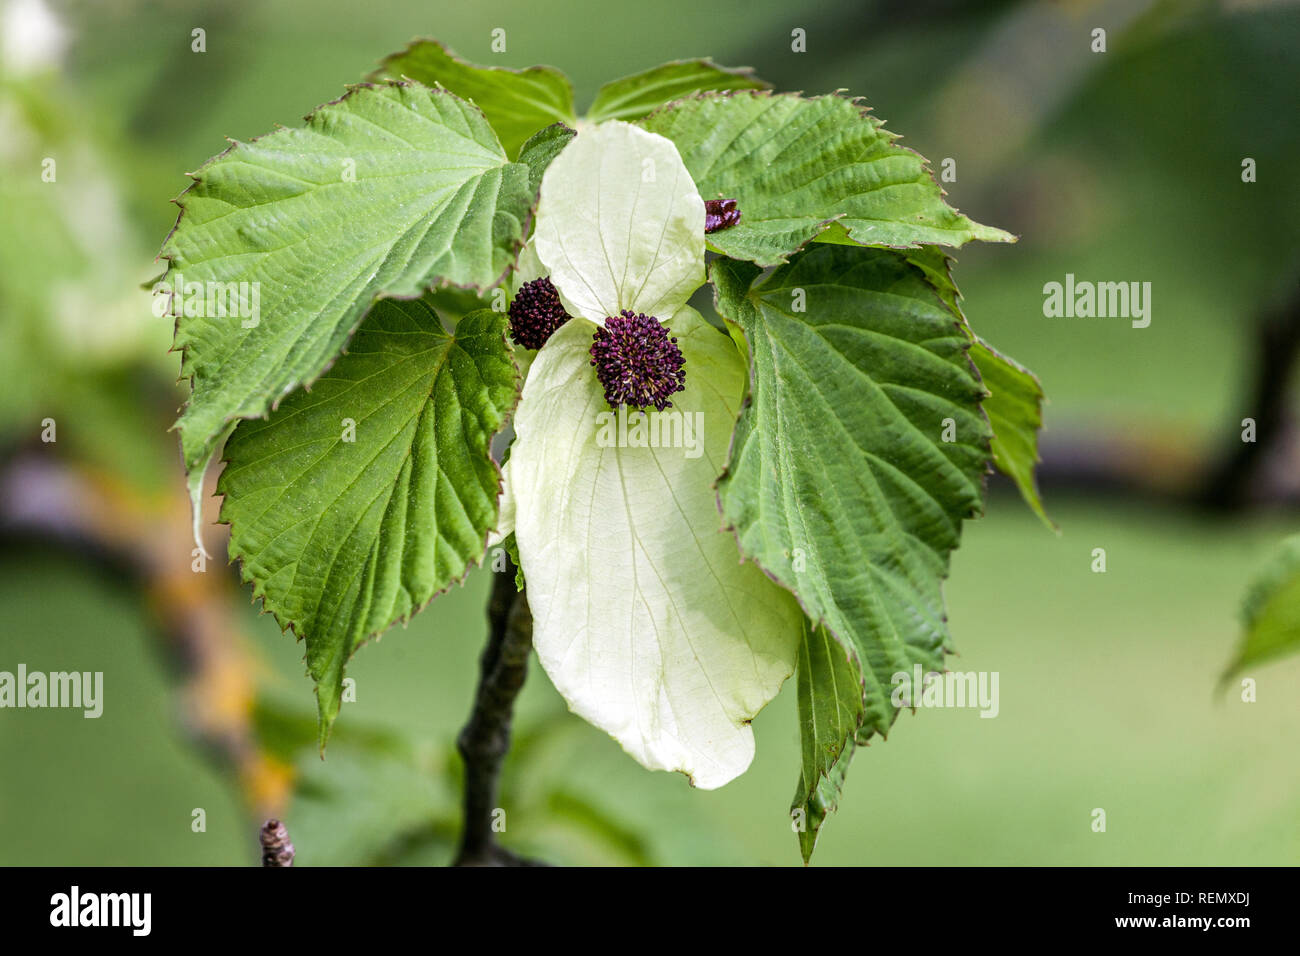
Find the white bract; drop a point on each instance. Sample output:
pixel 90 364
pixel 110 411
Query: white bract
pixel 645 618
pixel 620 224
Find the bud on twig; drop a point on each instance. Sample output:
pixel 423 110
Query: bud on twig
pixel 276 848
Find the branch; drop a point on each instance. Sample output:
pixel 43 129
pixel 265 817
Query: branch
pixel 144 541
pixel 1152 465
pixel 484 741
pixel 1234 480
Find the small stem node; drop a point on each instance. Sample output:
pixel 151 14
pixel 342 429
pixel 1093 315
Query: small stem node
pixel 277 851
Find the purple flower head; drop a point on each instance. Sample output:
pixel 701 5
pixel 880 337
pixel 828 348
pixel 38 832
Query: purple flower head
pixel 536 313
pixel 720 214
pixel 637 362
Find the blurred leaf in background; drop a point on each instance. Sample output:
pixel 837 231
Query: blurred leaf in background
pixel 78 342
pixel 1271 612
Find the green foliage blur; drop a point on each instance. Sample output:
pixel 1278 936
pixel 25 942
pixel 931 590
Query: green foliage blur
pixel 1123 165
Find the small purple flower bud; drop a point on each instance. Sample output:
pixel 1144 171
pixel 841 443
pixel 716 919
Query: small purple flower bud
pixel 637 362
pixel 720 214
pixel 536 313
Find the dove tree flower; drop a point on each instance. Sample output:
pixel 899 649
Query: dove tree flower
pixel 699 507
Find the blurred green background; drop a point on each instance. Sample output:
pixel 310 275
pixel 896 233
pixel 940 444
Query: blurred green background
pixel 1123 165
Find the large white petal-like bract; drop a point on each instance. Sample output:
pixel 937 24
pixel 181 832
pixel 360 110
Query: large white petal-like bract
pixel 644 616
pixel 620 224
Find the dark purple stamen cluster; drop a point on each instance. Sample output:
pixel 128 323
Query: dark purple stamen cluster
pixel 637 362
pixel 536 313
pixel 720 214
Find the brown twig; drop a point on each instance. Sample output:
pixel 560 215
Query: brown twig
pixel 485 739
pixel 276 848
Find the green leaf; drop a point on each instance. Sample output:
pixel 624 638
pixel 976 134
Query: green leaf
pixel 1015 405
pixel 517 103
pixel 512 549
pixel 937 266
pixel 1015 411
pixel 385 192
pixel 542 147
pixel 1271 612
pixel 830 702
pixel 343 538
pixel 632 97
pixel 840 484
pixel 822 801
pixel 804 169
pixel 830 713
